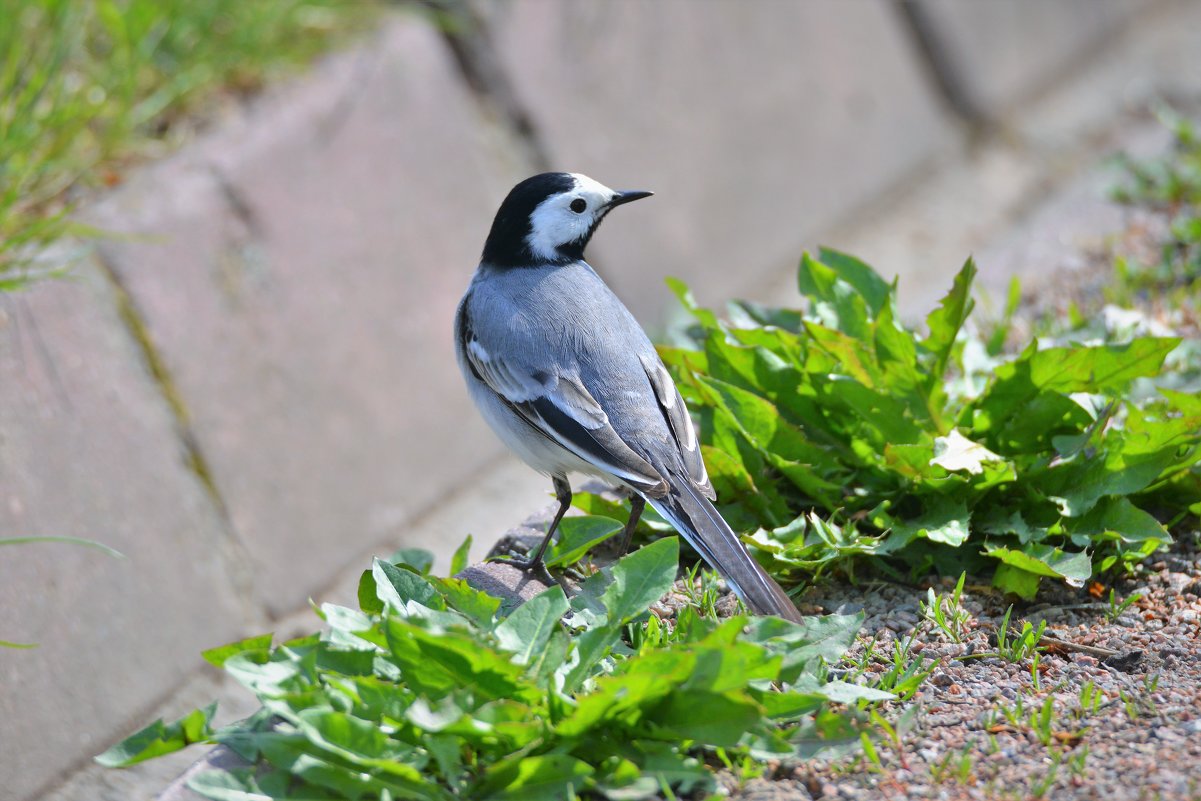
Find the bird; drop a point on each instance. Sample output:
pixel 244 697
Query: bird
pixel 570 382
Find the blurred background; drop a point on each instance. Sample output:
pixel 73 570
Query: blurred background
pixel 233 235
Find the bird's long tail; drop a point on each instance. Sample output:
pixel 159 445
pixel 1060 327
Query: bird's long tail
pixel 703 526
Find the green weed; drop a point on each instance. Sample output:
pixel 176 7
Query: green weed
pixel 1116 607
pixel 1018 645
pixel 86 87
pixel 947 614
pixel 433 690
pixel 836 436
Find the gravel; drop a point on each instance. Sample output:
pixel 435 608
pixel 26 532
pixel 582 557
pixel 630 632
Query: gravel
pixel 1142 741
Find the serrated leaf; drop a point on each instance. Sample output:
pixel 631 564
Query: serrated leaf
pixel 947 521
pixel 866 281
pixel 159 738
pixel 437 662
pixel 524 633
pixel 945 322
pixel 641 578
pixel 217 656
pixel 836 302
pixel 477 605
pixel 396 586
pixel 1045 560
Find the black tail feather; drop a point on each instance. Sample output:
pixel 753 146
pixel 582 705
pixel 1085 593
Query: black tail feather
pixel 703 526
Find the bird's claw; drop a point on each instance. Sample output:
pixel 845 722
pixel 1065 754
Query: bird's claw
pixel 527 565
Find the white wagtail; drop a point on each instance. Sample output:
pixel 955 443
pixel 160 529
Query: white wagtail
pixel 570 382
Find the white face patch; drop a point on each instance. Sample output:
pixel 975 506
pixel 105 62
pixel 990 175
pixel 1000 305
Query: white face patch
pixel 555 223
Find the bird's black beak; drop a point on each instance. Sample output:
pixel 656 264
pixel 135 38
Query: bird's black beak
pixel 628 197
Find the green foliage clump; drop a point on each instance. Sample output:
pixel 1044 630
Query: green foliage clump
pixel 1170 186
pixel 85 86
pixel 835 432
pixel 433 690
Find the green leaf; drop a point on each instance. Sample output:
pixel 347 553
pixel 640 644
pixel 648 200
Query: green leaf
pixel 591 647
pixel 842 692
pixel 1045 560
pixel 217 656
pixel 158 739
pixel 713 718
pixel 1120 519
pixel 237 784
pixel 866 281
pixel 526 631
pixel 956 452
pixel 1022 583
pixel 804 645
pixel 534 778
pixel 947 521
pixel 368 594
pixel 641 578
pixel 595 505
pixel 437 662
pixel 837 303
pixel 358 741
pixel 458 562
pixel 945 322
pixel 460 596
pixel 684 294
pixel 578 536
pixel 396 586
pixel 1100 368
pixel 1045 377
pixel 419 559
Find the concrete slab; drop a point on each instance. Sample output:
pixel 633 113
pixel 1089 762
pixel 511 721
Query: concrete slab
pixel 969 199
pixel 299 270
pixel 145 781
pixel 1006 52
pixel 88 448
pixel 756 123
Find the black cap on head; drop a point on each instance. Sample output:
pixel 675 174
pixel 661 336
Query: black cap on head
pixel 506 245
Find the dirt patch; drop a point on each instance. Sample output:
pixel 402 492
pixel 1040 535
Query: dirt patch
pixel 1123 721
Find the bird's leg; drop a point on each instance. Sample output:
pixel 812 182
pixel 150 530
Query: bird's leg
pixel 563 495
pixel 637 504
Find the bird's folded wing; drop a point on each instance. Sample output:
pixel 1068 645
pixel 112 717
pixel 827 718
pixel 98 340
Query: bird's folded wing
pixel 562 408
pixel 672 406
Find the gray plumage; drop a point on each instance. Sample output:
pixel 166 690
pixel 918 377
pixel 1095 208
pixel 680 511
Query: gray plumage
pixel 567 378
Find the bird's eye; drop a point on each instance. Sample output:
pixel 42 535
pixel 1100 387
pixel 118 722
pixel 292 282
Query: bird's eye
pixel 579 205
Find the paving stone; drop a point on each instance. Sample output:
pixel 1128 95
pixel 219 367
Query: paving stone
pixel 756 123
pixel 980 201
pixel 147 780
pixel 1006 52
pixel 300 277
pixel 88 448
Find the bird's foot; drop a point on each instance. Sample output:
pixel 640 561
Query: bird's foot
pixel 536 567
